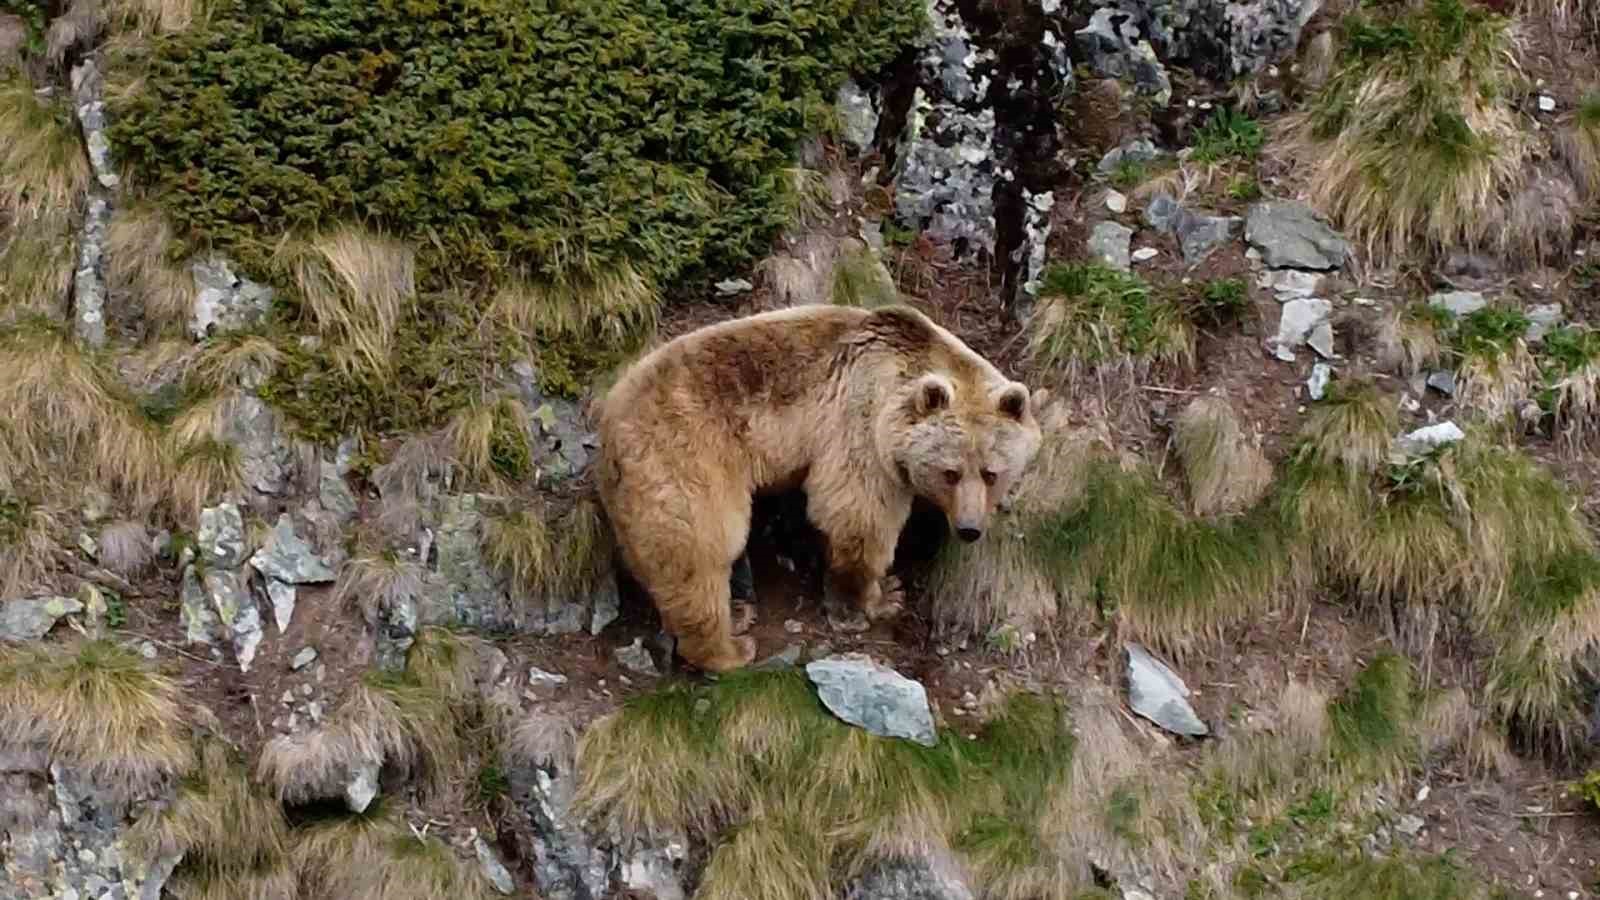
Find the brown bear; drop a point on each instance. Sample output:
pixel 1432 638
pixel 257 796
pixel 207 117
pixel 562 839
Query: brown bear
pixel 864 409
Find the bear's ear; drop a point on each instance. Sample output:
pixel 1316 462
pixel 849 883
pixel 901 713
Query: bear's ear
pixel 1014 401
pixel 931 393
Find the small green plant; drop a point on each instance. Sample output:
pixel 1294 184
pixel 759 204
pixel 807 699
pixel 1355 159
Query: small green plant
pixel 1228 135
pixel 492 784
pixel 1129 173
pixel 1490 331
pixel 1589 789
pixel 1244 188
pixel 1219 301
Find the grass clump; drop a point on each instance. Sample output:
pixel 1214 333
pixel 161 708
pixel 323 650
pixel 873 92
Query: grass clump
pixel 377 856
pixel 754 762
pixel 1228 135
pixel 1496 370
pixel 1570 366
pixel 1414 140
pixel 1422 877
pixel 44 164
pixel 1225 469
pixel 670 153
pixel 861 279
pixel 1414 338
pixel 1169 579
pixel 1578 146
pixel 36 265
pixel 97 707
pixel 1094 319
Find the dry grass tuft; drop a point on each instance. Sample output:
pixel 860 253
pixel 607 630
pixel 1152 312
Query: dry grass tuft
pixel 1577 145
pixel 1094 321
pixel 489 440
pixel 64 413
pixel 1414 139
pixel 355 285
pixel 1571 362
pixel 224 827
pixel 203 473
pixel 1412 339
pixel 376 584
pixel 125 547
pixel 236 359
pixel 1541 218
pixel 1497 372
pixel 618 307
pixel 30 536
pixel 97 707
pixel 1351 430
pixel 547 555
pixel 377 856
pixel 1225 468
pixel 36 266
pixel 137 243
pixel 43 166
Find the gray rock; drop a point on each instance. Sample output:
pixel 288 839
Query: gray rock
pixel 1139 150
pixel 1543 319
pixel 199 621
pixel 732 286
pixel 1116 201
pixel 1162 213
pixel 1317 384
pixel 1112 46
pixel 1109 244
pixel 561 441
pixel 1158 694
pixel 464 590
pixel 635 658
pixel 539 678
pixel 654 870
pixel 787 657
pixel 362 787
pixel 221 536
pixel 88 279
pixel 305 657
pixel 282 598
pixel 858 116
pixel 285 556
pixel 31 619
pixel 866 694
pixel 334 492
pixel 909 878
pixel 567 860
pixel 236 612
pixel 1424 440
pixel 1036 229
pixel 1297 322
pixel 1222 41
pixel 493 869
pixel 1321 339
pixel 1410 825
pixel 1459 303
pixel 1290 235
pixel 1199 234
pixel 1443 381
pixel 224 301
pixel 1145 254
pixel 266 458
pixel 1290 284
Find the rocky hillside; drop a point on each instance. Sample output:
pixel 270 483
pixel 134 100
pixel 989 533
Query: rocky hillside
pixel 304 591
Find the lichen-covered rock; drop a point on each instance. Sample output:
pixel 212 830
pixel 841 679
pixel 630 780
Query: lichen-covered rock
pixel 268 461
pixel 225 301
pixel 561 439
pixel 858 115
pixel 872 696
pixel 285 556
pixel 62 836
pixel 32 618
pixel 221 536
pixel 1109 245
pixel 1290 235
pixel 1113 47
pixel 909 878
pixel 1221 39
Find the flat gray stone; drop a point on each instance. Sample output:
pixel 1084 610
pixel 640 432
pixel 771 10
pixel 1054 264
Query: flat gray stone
pixel 1459 303
pixel 635 658
pixel 1290 284
pixel 1443 381
pixel 1158 694
pixel 31 619
pixel 282 597
pixel 872 696
pixel 305 657
pixel 1426 439
pixel 1139 150
pixel 1200 234
pixel 1162 212
pixel 1290 235
pixel 1109 243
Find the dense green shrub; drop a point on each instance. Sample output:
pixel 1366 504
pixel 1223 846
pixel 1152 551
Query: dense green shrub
pixel 550 136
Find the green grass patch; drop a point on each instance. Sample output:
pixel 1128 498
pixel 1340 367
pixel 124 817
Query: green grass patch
pixel 754 756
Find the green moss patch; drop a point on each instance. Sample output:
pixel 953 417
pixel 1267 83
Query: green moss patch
pixel 548 137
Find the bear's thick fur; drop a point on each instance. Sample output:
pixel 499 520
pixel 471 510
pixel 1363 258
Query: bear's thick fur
pixel 865 410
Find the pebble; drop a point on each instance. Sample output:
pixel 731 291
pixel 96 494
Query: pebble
pixel 794 626
pixel 305 690
pixel 1145 254
pixel 1547 103
pixel 305 657
pixel 1116 201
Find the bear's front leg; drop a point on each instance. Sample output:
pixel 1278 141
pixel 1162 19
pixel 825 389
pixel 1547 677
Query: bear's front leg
pixel 857 592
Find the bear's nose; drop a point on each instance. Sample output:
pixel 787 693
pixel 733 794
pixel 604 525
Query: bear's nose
pixel 969 534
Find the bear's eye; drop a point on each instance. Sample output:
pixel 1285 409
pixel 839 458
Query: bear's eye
pixel 988 477
pixel 952 476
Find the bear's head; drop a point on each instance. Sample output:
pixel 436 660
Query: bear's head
pixel 962 446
